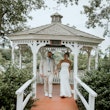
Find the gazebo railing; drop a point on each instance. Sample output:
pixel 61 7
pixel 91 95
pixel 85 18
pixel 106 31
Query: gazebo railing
pixel 90 105
pixel 21 102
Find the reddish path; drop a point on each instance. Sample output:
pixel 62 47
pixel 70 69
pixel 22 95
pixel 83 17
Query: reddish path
pixel 54 103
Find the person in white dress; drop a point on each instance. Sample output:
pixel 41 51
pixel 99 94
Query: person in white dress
pixel 65 66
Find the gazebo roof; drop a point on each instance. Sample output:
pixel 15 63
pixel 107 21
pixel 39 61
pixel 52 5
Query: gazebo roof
pixel 56 31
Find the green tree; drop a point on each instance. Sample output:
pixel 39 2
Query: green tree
pixel 6 54
pixel 97 12
pixel 5 42
pixel 14 14
pixel 82 61
pixel 4 57
pixel 2 60
pixel 108 51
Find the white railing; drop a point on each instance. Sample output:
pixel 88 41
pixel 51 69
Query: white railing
pixel 90 105
pixel 21 102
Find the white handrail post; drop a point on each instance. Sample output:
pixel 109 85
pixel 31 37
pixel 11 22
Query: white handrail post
pixel 19 101
pixel 91 102
pixel 34 84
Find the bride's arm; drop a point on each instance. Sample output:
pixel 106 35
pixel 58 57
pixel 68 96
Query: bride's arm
pixel 59 64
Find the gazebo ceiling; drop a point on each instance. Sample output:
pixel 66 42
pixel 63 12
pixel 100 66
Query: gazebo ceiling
pixel 55 31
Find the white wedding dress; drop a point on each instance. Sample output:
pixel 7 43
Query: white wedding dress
pixel 65 89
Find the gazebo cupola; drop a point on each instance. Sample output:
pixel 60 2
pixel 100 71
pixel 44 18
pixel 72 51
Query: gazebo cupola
pixel 56 18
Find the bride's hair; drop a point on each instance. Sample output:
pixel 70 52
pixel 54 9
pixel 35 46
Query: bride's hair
pixel 67 53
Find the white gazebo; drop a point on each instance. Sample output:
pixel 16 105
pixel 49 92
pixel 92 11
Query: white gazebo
pixel 56 35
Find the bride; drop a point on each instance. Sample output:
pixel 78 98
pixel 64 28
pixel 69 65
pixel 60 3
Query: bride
pixel 65 64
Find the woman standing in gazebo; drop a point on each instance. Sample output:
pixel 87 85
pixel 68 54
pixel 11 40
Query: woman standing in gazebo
pixel 65 64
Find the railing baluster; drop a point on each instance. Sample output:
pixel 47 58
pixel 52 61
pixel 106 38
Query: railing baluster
pixel 20 101
pixel 91 102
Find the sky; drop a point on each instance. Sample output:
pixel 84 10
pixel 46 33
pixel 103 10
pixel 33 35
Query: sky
pixel 71 15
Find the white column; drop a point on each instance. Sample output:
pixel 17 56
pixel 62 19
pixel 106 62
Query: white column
pixel 12 54
pixel 34 85
pixel 35 48
pixel 75 73
pixel 96 57
pixel 76 51
pixel 20 58
pixel 34 64
pixel 89 58
pixel 89 62
pixel 42 56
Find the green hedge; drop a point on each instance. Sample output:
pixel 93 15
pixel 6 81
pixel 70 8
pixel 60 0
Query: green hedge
pixel 100 82
pixel 10 81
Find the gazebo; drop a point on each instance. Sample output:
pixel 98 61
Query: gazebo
pixel 57 35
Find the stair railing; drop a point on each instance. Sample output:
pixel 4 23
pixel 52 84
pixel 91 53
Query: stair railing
pixel 21 102
pixel 90 105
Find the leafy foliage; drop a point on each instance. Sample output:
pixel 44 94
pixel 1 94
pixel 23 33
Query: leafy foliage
pixel 99 81
pixel 104 64
pixel 82 61
pixel 5 42
pixel 5 57
pixel 6 54
pixel 14 14
pixel 1 59
pixel 66 2
pixel 10 81
pixel 98 13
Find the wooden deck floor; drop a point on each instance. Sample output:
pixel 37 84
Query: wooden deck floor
pixel 54 103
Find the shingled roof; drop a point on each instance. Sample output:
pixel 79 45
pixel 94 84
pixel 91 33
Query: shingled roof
pixel 56 31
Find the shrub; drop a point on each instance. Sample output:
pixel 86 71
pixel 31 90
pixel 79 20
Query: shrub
pixel 100 82
pixel 6 54
pixel 10 81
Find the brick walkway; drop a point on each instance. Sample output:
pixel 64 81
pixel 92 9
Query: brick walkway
pixel 54 103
